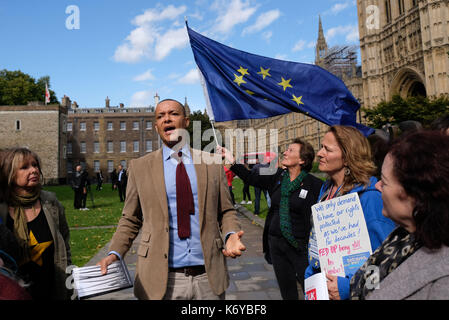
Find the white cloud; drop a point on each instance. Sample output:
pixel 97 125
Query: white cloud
pixel 267 35
pixel 263 21
pixel 281 56
pixel 299 46
pixel 351 33
pixel 154 15
pixel 150 40
pixel 147 75
pixel 141 99
pixel 191 77
pixel 172 39
pixel 336 8
pixel 235 12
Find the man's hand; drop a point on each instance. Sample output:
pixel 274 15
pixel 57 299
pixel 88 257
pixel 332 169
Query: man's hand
pixel 105 262
pixel 234 247
pixel 332 287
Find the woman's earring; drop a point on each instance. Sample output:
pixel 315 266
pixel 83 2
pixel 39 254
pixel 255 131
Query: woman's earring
pixel 347 171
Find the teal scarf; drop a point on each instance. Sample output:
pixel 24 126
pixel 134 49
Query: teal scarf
pixel 287 187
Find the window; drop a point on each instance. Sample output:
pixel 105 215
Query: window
pixel 69 167
pixel 18 125
pixel 96 165
pixel 110 126
pixel 82 126
pixel 69 148
pixel 149 125
pixel 96 147
pixel 96 126
pixel 83 147
pixel 414 3
pixel 110 165
pixel 123 163
pixel 149 146
pixel 110 146
pixel 122 146
pixel 122 125
pixel 135 125
pixel 136 146
pixel 69 126
pixel 401 6
pixel 388 10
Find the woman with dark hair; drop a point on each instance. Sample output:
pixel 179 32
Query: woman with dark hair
pixel 346 158
pixel 37 220
pixel 412 263
pixel 292 191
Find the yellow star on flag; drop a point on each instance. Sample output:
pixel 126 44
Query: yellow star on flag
pixel 264 72
pixel 297 99
pixel 243 71
pixel 239 79
pixel 285 83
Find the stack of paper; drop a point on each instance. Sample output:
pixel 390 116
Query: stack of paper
pixel 88 281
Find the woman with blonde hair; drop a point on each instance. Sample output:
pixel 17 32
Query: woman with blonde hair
pixel 345 156
pixel 37 220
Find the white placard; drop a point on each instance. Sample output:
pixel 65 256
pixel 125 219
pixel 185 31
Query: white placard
pixel 342 236
pixel 316 287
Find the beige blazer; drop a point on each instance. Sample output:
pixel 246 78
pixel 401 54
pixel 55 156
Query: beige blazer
pixel 146 207
pixel 55 215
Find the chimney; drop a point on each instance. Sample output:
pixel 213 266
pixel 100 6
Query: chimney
pixel 121 105
pixel 66 102
pixel 74 105
pixel 107 102
pixel 156 99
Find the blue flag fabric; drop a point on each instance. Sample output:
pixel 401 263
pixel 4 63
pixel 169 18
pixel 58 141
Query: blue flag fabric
pixel 241 85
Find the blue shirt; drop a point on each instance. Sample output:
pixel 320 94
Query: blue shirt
pixel 182 252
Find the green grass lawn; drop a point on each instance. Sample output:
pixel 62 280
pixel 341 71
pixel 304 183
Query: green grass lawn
pixel 237 184
pixel 104 211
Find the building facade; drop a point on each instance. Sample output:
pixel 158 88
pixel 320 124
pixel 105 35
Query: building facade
pixel 404 48
pixel 103 138
pixel 42 129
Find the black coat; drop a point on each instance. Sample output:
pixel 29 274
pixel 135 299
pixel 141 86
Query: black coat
pixel 300 204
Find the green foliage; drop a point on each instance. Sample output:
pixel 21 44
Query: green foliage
pixel 397 110
pixel 205 124
pixel 18 88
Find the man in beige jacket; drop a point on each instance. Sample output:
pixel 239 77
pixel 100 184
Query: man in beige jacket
pixel 171 265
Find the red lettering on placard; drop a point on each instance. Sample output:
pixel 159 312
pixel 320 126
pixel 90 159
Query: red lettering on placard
pixel 311 294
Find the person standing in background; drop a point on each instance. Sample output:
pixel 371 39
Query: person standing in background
pixel 122 180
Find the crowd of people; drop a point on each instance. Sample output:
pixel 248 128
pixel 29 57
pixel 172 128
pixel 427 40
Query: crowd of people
pixel 186 214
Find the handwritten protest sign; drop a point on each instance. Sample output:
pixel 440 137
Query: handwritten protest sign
pixel 342 236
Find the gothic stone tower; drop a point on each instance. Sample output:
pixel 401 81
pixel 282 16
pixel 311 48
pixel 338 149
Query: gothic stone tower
pixel 321 45
pixel 404 48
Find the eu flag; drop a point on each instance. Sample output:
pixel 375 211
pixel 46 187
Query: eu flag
pixel 240 85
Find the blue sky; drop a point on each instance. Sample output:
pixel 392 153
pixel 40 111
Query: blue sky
pixel 129 50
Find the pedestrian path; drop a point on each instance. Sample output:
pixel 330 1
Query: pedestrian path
pixel 251 278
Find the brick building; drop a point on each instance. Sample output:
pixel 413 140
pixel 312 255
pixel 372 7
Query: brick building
pixel 103 138
pixel 41 128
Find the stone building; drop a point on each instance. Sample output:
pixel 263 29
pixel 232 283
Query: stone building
pixel 41 128
pixel 404 48
pixel 103 138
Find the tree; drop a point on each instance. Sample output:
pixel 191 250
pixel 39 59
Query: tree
pixel 421 109
pixel 205 124
pixel 18 88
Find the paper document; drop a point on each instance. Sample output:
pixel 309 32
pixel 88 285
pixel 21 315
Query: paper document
pixel 316 287
pixel 88 281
